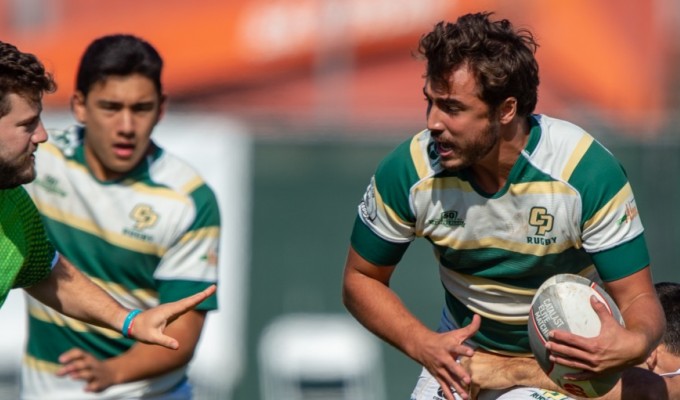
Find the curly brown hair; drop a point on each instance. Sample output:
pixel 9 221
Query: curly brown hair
pixel 500 57
pixel 22 74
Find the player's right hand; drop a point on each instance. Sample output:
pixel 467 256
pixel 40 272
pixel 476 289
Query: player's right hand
pixel 149 325
pixel 439 356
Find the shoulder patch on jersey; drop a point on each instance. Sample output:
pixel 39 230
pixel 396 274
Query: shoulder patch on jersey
pixel 66 140
pixel 368 206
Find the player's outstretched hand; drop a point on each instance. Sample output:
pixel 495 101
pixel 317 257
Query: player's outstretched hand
pixel 149 325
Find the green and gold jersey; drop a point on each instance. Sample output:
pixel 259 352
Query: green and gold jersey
pixel 150 237
pixel 567 207
pixel 26 255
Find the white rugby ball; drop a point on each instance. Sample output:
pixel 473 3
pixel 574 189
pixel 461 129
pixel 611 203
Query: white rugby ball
pixel 563 303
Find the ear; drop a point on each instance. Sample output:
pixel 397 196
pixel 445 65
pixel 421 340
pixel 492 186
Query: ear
pixel 162 107
pixel 78 107
pixel 652 360
pixel 507 110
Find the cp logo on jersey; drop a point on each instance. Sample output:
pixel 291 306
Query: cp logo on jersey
pixel 144 216
pixel 540 218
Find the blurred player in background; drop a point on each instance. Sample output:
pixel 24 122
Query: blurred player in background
pixel 29 259
pixel 135 219
pixel 507 198
pixel 658 378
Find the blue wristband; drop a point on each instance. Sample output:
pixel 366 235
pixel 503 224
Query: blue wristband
pixel 128 321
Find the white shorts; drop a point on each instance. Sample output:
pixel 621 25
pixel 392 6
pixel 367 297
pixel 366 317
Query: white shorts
pixel 428 388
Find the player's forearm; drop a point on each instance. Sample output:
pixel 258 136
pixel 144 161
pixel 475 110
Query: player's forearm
pixel 645 321
pixel 645 317
pixel 379 309
pixel 144 361
pixel 71 293
pixel 527 372
pixel 494 371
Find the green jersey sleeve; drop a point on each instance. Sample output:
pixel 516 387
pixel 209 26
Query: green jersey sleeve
pixel 26 253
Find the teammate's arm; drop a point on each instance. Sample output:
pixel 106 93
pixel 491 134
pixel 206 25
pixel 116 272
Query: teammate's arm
pixel 141 361
pixel 71 293
pixel 367 295
pixel 492 371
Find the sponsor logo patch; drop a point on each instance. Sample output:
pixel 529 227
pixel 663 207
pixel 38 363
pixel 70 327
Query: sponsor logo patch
pixel 368 206
pixel 630 214
pixel 448 218
pixel 50 184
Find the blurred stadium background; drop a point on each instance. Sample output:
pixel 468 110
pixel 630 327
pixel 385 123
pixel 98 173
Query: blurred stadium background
pixel 310 95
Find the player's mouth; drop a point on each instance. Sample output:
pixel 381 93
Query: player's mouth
pixel 123 150
pixel 445 150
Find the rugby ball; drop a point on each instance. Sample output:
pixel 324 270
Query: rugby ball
pixel 563 303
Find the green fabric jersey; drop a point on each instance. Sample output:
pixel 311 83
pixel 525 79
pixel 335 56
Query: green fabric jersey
pixel 150 237
pixel 26 256
pixel 567 207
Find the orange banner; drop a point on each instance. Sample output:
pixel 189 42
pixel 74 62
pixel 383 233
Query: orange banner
pixel 593 53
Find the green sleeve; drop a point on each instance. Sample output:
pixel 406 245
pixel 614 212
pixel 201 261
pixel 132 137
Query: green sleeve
pixel 27 252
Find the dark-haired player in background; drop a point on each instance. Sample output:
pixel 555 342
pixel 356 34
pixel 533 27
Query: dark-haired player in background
pixel 29 259
pixel 137 220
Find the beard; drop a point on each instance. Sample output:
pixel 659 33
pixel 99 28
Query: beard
pixel 471 153
pixel 13 174
pixel 486 142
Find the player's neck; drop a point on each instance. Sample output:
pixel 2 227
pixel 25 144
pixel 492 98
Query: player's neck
pixel 493 172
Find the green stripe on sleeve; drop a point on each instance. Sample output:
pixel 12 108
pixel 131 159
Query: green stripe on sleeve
pixel 622 260
pixel 394 178
pixel 174 290
pixel 207 211
pixel 598 177
pixel 373 248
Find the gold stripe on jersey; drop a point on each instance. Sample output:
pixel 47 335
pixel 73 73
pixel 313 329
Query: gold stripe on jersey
pixel 54 150
pixel 489 285
pixel 51 148
pixel 391 214
pixel 617 202
pixel 495 300
pixel 576 156
pixel 198 234
pixel 495 242
pixel 159 191
pixel 134 185
pixel 128 297
pixel 90 227
pixel 503 304
pixel 192 185
pixel 551 187
pixel 444 184
pixel 40 365
pixel 48 315
pixel 419 155
pixel 497 317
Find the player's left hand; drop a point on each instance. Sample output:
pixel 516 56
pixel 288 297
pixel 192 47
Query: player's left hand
pixel 610 351
pixel 81 365
pixel 149 325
